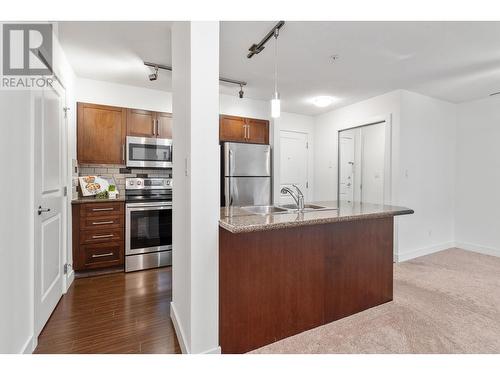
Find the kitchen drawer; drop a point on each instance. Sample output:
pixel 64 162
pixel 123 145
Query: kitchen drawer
pixel 102 209
pixel 102 254
pixel 102 222
pixel 101 235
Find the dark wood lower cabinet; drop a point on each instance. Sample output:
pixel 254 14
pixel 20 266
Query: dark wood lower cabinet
pixel 98 235
pixel 275 284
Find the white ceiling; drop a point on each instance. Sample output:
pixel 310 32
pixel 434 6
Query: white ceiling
pixel 454 61
pixel 115 51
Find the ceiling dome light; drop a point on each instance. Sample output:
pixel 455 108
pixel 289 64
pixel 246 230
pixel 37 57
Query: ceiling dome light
pixel 323 101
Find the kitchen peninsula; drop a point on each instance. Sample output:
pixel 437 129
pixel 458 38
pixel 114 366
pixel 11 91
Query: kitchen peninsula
pixel 285 272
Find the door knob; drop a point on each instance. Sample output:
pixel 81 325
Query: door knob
pixel 40 210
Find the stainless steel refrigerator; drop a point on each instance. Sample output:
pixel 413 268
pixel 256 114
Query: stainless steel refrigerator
pixel 246 174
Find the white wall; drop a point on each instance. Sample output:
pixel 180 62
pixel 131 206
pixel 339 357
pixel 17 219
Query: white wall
pixel 296 123
pixel 180 309
pixel 478 176
pixel 17 228
pixel 233 105
pixel 114 94
pixel 426 174
pixel 423 166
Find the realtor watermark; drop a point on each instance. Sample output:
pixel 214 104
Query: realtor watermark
pixel 27 56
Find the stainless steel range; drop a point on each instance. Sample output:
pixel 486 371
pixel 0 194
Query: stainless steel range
pixel 148 223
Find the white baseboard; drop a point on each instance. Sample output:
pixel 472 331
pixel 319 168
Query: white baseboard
pixel 402 257
pixel 448 245
pixel 216 350
pixel 181 337
pixel 29 346
pixel 478 249
pixel 69 280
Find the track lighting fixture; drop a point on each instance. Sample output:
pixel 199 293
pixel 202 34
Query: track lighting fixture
pixel 257 48
pixel 154 76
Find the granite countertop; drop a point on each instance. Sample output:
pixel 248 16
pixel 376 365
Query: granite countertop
pixel 121 198
pixel 238 220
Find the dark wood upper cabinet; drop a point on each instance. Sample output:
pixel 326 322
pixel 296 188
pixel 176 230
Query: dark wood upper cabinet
pixel 141 123
pixel 240 129
pixel 101 134
pixel 257 131
pixel 232 129
pixel 164 125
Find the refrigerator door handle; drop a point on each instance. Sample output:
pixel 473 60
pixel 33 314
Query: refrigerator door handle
pixel 229 198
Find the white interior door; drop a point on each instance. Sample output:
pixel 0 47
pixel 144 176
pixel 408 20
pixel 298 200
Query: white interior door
pixel 293 163
pixel 49 202
pixel 347 162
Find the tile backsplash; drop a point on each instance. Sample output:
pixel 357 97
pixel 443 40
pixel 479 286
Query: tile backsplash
pixel 120 172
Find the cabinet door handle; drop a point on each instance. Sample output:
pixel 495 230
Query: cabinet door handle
pixel 103 236
pixel 123 152
pixel 103 209
pixel 157 128
pixel 101 255
pixel 102 222
pixel 248 136
pixel 154 129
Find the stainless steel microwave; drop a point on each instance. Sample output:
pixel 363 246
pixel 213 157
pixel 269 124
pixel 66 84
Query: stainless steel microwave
pixel 149 152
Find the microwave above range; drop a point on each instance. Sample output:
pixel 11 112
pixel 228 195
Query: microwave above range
pixel 148 152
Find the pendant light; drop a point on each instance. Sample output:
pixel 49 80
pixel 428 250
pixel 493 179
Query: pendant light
pixel 275 101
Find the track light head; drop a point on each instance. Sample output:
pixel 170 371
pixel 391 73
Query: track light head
pixel 241 93
pixel 154 76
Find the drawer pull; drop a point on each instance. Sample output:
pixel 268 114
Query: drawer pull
pixel 103 209
pixel 101 255
pixel 103 236
pixel 102 222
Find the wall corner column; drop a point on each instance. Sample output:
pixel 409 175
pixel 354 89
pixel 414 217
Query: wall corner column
pixel 195 108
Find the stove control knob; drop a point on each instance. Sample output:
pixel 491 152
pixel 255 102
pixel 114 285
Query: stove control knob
pixel 131 182
pixel 139 183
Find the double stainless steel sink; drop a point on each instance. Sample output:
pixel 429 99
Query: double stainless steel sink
pixel 283 209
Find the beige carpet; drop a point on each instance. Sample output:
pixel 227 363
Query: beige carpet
pixel 448 302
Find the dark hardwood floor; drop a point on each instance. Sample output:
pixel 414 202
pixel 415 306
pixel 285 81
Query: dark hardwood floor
pixel 116 313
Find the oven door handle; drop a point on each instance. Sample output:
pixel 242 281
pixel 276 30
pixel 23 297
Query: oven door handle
pixel 150 208
pixel 148 204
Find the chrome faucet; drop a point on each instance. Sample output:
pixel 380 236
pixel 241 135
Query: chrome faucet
pixel 298 197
